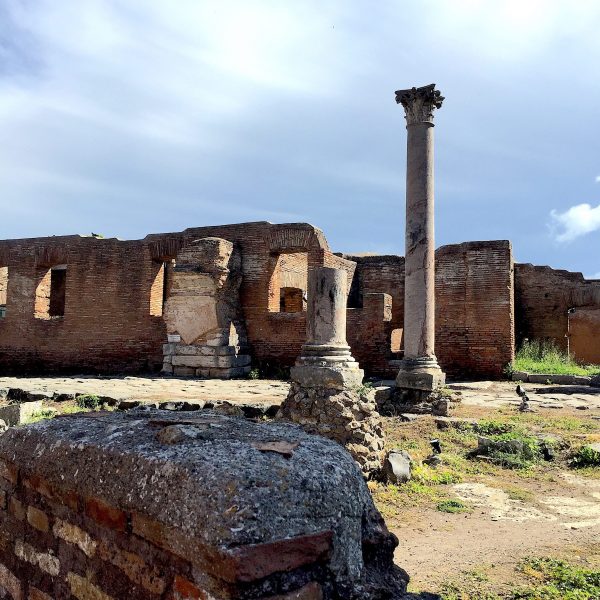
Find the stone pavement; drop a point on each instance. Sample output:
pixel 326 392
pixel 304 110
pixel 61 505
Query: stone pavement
pixel 492 394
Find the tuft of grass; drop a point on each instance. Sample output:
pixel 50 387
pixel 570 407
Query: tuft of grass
pixel 453 506
pixel 41 415
pixel 254 374
pixel 494 427
pixel 544 356
pixel 89 401
pixel 517 493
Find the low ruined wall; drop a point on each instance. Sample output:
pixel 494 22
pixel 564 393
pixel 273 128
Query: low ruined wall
pixel 542 298
pixel 152 505
pixel 108 323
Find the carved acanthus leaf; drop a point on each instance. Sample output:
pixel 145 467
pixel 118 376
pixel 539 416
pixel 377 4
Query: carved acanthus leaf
pixel 419 103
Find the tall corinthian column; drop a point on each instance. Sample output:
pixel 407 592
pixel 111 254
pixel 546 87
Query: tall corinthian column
pixel 419 369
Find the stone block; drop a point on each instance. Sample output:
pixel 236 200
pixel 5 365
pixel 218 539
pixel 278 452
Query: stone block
pixel 169 349
pixel 167 368
pixel 184 371
pixel 17 414
pixel 397 466
pixel 595 381
pixel 327 377
pixel 195 361
pixel 539 378
pixel 426 380
pixel 520 376
pixel 581 380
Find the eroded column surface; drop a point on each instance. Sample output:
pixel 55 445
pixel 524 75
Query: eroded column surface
pixel 326 358
pixel 419 368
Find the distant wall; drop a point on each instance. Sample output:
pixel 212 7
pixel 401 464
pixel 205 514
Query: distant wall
pixel 474 310
pixel 542 298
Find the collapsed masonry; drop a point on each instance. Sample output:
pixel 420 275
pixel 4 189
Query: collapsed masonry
pixel 151 504
pixel 202 313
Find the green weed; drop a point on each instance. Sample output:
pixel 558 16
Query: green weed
pixel 544 356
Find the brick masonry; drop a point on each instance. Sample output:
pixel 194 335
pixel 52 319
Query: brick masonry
pixel 113 293
pixel 542 298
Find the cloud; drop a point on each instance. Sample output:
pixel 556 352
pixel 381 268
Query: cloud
pixel 573 223
pixel 597 178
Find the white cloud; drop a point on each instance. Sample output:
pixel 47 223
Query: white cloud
pixel 597 178
pixel 575 222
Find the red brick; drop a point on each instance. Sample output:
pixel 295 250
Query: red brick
pixel 37 519
pixel 106 515
pixel 186 590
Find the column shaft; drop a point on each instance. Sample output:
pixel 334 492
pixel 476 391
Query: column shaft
pixel 419 291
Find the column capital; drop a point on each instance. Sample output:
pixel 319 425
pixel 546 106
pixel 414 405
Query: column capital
pixel 419 103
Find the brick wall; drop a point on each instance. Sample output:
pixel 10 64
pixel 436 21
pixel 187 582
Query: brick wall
pixel 542 298
pixel 585 338
pixel 474 309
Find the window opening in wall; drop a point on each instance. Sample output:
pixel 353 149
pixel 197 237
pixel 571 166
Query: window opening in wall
pixel 50 293
pixel 3 291
pixel 288 282
pixel 159 289
pixel 396 340
pixel 292 300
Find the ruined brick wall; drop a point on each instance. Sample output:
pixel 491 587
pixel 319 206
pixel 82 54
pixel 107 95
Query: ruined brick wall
pixel 585 338
pixel 474 310
pixel 114 291
pixel 542 298
pixel 109 507
pixel 107 324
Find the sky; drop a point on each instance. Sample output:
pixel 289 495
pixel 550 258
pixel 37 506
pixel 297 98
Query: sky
pixel 129 117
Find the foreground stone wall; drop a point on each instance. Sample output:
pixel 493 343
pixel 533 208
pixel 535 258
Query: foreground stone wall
pixel 542 298
pixel 148 504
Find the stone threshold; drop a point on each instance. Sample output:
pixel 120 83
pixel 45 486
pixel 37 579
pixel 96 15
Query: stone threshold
pixel 526 377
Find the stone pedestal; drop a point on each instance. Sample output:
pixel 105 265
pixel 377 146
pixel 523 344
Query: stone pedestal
pixel 326 396
pixel 419 370
pixel 203 312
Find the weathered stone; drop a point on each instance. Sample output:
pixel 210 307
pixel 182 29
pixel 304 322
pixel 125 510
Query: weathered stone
pixel 595 381
pixel 520 376
pixel 17 414
pixel 332 377
pixel 397 466
pixel 455 423
pixel 277 535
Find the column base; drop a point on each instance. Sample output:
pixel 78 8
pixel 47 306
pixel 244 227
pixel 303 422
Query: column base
pixel 422 374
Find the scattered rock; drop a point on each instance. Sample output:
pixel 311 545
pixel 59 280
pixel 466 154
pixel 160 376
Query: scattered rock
pixel 582 407
pixel 128 404
pixel 3 426
pixel 19 413
pixel 19 395
pixel 397 466
pixel 433 460
pixel 455 423
pixel 595 381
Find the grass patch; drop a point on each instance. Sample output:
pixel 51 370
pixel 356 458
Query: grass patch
pixel 453 506
pixel 41 415
pixel 586 456
pixel 557 579
pixel 543 356
pixel 513 450
pixel 517 493
pixel 89 401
